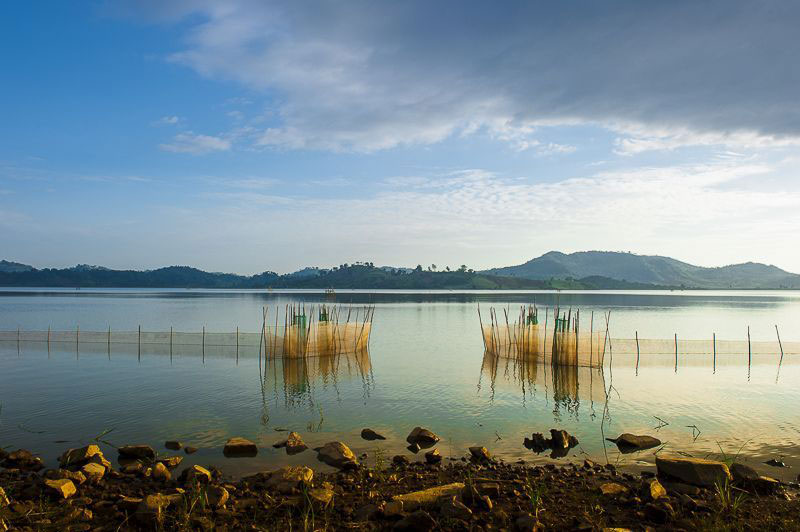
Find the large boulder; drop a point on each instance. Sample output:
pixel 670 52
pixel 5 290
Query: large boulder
pixel 137 451
pixel 422 437
pixel 628 443
pixel 239 447
pixel 337 454
pixel 695 471
pixel 78 456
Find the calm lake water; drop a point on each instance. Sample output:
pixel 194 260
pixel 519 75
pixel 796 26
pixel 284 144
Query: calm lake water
pixel 426 366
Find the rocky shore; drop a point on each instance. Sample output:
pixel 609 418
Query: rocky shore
pixel 148 490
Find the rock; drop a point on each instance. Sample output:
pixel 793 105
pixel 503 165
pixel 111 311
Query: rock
pixel 413 447
pixel 366 512
pixel 399 459
pixel 23 459
pixel 428 497
pixel 526 523
pixel 171 462
pixel 61 488
pixel 652 490
pixel 369 434
pixel 775 463
pixel 696 471
pixel 418 521
pixel 137 451
pixel 480 454
pixel 101 460
pixel 393 508
pixel 536 443
pixel 128 504
pixel 452 508
pixel 93 472
pixel 491 489
pixel 612 489
pixel 4 501
pixel 189 449
pixel 589 464
pixel 239 447
pixel 173 445
pixel 659 513
pixel 132 467
pixel 628 443
pixel 422 437
pixel 78 456
pixel 75 476
pixel 196 473
pixel 337 454
pixel 152 508
pixel 681 488
pixel 294 444
pixel 289 478
pixel 741 473
pixel 561 439
pixel 217 496
pixel 160 472
pixel 321 497
pixel 433 457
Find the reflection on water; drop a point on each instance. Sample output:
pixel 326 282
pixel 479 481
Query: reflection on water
pixel 565 386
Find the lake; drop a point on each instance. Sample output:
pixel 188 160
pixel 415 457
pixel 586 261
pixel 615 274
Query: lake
pixel 425 366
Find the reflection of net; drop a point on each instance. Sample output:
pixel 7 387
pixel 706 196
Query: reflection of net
pixel 316 339
pixel 532 342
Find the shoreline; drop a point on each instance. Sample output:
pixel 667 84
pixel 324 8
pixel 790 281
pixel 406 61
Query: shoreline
pixel 145 490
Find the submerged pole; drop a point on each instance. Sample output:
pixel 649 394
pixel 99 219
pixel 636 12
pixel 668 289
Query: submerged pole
pixel 714 346
pixel 637 352
pixel 139 344
pixel 676 352
pixel 749 350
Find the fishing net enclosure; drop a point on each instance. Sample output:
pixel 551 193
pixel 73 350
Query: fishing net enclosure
pixel 558 341
pixel 296 332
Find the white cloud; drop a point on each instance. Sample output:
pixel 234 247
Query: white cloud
pixel 196 144
pixel 171 120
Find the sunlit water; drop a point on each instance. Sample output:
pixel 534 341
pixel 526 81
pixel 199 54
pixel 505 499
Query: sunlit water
pixel 426 367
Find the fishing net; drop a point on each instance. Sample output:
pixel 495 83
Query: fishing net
pixel 533 342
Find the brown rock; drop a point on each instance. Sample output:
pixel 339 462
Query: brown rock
pixel 433 457
pixel 129 504
pixel 289 478
pixel 101 460
pixel 60 488
pixel 137 451
pixel 480 454
pixel 452 508
pixel 399 459
pixel 321 497
pixel 152 509
pixel 422 437
pixel 337 454
pixel 369 434
pixel 171 462
pixel 189 449
pixel 4 500
pixel 294 444
pixel 173 445
pixel 93 472
pixel 561 439
pixel 78 456
pixel 217 496
pixel 428 497
pixel 536 443
pixel 652 490
pixel 628 443
pixel 393 508
pixel 160 472
pixel 613 489
pixel 196 473
pixel 697 471
pixel 239 447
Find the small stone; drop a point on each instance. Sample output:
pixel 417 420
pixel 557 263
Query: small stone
pixel 173 445
pixel 4 500
pixel 628 443
pixel 294 444
pixel 337 454
pixel 189 449
pixel 480 454
pixel 239 447
pixel 217 496
pixel 101 460
pixel 775 462
pixel 152 508
pixel 196 473
pixel 433 457
pixel 160 472
pixel 393 508
pixel 370 435
pixel 61 488
pixel 129 504
pixel 419 521
pixel 93 472
pixel 132 468
pixel 452 508
pixel 652 490
pixel 422 437
pixel 488 488
pixel 659 513
pixel 171 462
pixel 78 456
pixel 137 451
pixel 612 489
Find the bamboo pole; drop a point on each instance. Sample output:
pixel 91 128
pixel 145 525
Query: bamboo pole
pixel 714 346
pixel 637 352
pixel 204 344
pixel 480 321
pixel 676 352
pixel 779 341
pixel 749 350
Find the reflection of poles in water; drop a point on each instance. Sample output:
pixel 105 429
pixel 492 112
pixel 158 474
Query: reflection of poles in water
pixel 780 362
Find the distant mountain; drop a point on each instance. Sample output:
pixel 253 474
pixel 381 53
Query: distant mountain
pixel 592 266
pixel 6 266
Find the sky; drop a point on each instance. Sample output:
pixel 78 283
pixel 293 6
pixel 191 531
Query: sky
pixel 246 136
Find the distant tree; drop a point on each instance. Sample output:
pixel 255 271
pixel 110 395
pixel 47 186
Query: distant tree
pixel 433 267
pixel 462 268
pixel 447 268
pixel 418 268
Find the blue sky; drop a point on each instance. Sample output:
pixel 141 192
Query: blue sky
pixel 250 135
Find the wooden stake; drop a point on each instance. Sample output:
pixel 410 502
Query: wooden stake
pixel 714 345
pixel 749 350
pixel 637 352
pixel 676 352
